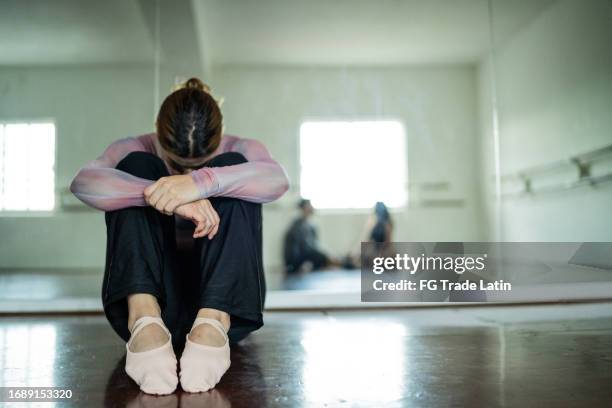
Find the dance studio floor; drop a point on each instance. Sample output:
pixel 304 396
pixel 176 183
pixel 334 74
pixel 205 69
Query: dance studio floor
pixel 527 356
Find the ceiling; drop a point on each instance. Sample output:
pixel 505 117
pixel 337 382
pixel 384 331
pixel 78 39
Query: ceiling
pixel 347 32
pixel 72 31
pixel 277 32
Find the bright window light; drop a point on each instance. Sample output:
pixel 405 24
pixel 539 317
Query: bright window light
pixel 353 164
pixel 27 166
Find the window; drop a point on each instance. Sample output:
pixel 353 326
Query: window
pixel 27 161
pixel 353 164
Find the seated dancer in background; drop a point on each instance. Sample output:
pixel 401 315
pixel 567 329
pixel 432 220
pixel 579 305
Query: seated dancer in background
pixel 378 230
pixel 381 225
pixel 301 244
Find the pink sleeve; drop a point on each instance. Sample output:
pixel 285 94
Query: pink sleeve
pixel 99 185
pixel 260 180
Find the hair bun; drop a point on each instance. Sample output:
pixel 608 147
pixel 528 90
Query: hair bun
pixel 197 84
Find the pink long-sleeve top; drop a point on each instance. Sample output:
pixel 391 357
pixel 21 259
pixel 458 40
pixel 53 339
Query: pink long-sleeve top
pixel 261 179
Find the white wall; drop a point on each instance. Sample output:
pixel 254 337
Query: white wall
pixel 554 86
pixel 438 106
pixel 92 106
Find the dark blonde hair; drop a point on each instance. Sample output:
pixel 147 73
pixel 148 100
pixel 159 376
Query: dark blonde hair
pixel 189 123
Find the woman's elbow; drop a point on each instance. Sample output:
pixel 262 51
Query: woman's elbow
pixel 77 191
pixel 283 184
pixel 275 190
pixel 282 189
pixel 73 187
pixel 76 188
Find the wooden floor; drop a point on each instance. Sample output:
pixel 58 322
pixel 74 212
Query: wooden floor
pixel 514 356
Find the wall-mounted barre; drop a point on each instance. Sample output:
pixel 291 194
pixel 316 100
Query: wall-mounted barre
pixel 582 163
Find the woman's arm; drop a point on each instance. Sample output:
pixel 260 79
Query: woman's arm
pixel 99 185
pixel 260 180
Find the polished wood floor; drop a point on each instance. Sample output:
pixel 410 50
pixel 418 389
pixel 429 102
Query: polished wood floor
pixel 514 356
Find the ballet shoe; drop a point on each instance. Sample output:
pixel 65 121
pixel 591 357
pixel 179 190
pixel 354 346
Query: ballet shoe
pixel 153 370
pixel 202 366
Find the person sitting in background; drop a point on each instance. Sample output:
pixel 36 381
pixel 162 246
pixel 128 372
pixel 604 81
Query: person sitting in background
pixel 301 244
pixel 382 229
pixel 378 230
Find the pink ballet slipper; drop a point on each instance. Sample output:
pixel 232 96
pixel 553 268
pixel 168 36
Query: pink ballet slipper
pixel 202 366
pixel 153 370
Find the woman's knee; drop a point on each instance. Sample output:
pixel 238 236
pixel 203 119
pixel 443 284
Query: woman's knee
pixel 143 164
pixel 226 159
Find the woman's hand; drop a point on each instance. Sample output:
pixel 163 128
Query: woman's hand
pixel 168 193
pixel 203 215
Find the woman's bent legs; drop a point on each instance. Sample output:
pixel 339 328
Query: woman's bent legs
pixel 220 278
pixel 140 258
pixel 224 276
pixel 230 266
pixel 226 286
pixel 229 272
pixel 216 288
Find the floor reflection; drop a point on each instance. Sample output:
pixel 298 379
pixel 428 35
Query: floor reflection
pixel 213 399
pixel 27 355
pixel 346 361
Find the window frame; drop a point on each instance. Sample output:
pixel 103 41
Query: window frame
pixel 4 213
pixel 351 210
